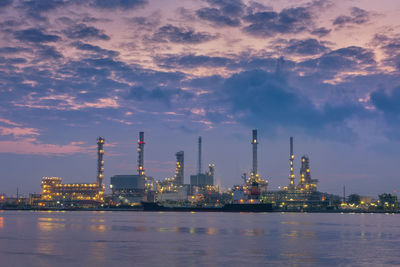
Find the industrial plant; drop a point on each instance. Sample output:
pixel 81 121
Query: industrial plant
pixel 138 191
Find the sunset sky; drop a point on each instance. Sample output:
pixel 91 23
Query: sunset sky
pixel 325 72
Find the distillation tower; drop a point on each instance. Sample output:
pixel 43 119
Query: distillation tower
pixel 100 163
pixel 140 149
pixel 179 170
pixel 254 142
pixel 291 159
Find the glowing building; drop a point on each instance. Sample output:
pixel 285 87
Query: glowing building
pixel 306 183
pixel 55 193
pixel 179 170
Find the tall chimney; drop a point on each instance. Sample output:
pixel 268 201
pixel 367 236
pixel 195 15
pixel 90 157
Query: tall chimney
pixel 199 157
pixel 254 142
pixel 141 143
pixel 291 159
pixel 100 162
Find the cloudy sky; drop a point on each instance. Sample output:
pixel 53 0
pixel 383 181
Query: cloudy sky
pixel 325 72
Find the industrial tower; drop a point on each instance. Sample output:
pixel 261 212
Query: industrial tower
pixel 179 170
pixel 306 183
pixel 100 163
pixel 141 143
pixel 199 157
pixel 254 142
pixel 291 159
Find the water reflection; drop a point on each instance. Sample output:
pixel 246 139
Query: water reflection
pixel 101 228
pixel 1 222
pixel 192 230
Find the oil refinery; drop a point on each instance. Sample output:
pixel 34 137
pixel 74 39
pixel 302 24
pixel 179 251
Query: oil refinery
pixel 139 190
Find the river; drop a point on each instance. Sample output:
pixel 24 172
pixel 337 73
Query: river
pixel 124 238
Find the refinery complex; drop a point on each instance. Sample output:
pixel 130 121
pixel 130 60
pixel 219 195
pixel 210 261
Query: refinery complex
pixel 139 190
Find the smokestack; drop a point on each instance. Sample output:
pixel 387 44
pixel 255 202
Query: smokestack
pixel 100 162
pixel 141 154
pixel 291 159
pixel 199 155
pixel 254 142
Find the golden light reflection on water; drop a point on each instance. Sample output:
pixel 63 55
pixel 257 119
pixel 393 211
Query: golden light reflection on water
pixel 99 228
pixel 1 222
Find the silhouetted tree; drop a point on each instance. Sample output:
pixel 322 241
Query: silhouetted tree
pixel 387 198
pixel 353 199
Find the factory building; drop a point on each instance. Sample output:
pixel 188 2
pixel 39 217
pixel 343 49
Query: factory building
pixel 200 179
pixel 55 193
pixel 128 189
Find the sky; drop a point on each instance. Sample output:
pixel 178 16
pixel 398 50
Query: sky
pixel 324 72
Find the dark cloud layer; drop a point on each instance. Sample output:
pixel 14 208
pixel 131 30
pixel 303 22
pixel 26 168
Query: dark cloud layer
pixel 192 61
pixel 95 49
pixel 217 17
pixel 82 31
pixel 348 58
pixel 119 4
pixel 305 47
pixel 267 100
pixel 270 23
pixel 5 3
pixel 389 103
pixel 321 32
pixel 35 36
pixel 222 12
pixel 358 16
pixel 181 35
pixel 228 7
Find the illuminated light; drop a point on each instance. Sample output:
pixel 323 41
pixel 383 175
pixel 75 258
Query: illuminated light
pixel 255 141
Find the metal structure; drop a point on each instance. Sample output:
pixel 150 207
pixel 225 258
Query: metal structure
pixel 199 157
pixel 179 170
pixel 291 159
pixel 100 163
pixel 254 142
pixel 140 149
pixel 306 183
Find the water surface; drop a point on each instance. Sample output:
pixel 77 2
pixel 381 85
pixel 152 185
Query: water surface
pixel 79 238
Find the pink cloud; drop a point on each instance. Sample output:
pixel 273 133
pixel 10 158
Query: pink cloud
pixel 9 122
pixel 18 131
pixel 65 102
pixel 31 146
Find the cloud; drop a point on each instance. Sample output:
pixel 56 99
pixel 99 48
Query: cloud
pixel 30 146
pixel 258 98
pixel 18 131
pixel 357 16
pixel 65 102
pixel 387 102
pixel 9 122
pixel 164 95
pixel 191 61
pixel 119 4
pixel 5 3
pixel 35 36
pixel 11 50
pixel 181 35
pixel 270 23
pixel 228 7
pixel 35 9
pixel 217 17
pixel 82 31
pixel 305 47
pixel 321 32
pixel 95 49
pixel 348 58
pixel 47 52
